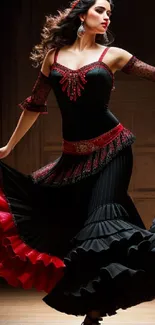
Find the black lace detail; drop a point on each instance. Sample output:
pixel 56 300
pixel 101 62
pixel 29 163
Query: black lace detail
pixel 37 101
pixel 140 69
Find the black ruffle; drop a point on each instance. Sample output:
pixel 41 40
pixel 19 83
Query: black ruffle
pixel 110 266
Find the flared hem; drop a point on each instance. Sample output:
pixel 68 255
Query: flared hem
pixel 20 264
pixel 110 260
pixel 111 266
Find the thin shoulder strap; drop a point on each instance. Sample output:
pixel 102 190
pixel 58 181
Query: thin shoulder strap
pixel 104 53
pixel 56 55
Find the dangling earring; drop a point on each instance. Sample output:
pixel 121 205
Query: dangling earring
pixel 105 36
pixel 81 30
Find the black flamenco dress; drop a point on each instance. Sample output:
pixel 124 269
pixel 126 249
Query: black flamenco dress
pixel 70 228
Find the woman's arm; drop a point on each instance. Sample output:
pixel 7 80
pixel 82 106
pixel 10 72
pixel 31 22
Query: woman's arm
pixel 37 101
pixel 129 64
pixel 25 122
pixel 32 106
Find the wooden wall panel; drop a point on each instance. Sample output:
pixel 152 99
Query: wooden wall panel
pixel 133 103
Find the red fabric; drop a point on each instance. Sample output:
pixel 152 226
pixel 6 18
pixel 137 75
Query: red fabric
pixel 20 265
pixel 71 168
pixel 75 4
pixel 85 147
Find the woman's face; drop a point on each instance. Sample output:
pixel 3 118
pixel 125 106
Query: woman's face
pixel 97 18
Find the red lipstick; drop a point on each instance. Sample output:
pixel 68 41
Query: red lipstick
pixel 104 25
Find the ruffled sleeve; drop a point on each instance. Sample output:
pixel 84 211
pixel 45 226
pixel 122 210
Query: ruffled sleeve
pixel 139 68
pixel 37 101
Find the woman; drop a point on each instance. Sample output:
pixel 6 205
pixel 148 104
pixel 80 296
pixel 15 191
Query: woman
pixel 70 228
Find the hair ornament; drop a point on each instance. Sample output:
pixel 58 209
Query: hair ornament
pixel 74 4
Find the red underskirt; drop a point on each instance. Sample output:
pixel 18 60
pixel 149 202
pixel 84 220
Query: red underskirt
pixel 20 265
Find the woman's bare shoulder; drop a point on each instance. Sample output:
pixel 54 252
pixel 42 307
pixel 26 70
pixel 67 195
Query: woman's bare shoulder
pixel 119 52
pixel 50 56
pixel 48 61
pixel 121 56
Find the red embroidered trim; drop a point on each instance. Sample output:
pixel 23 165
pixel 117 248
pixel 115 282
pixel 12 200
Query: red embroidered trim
pixel 69 169
pixel 73 81
pixel 42 172
pixel 86 147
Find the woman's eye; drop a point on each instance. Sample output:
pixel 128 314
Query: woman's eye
pixel 99 11
pixel 109 14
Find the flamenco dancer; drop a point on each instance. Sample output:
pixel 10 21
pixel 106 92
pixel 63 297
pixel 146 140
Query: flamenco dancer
pixel 70 228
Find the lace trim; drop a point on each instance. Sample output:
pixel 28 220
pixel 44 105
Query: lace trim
pixel 140 69
pixel 37 101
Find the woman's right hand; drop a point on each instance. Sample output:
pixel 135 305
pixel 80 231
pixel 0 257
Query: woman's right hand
pixel 4 151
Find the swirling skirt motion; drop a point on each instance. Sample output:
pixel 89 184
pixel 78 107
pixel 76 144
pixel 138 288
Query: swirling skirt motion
pixel 84 243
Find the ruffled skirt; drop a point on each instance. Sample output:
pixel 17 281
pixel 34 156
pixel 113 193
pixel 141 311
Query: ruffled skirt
pixel 71 230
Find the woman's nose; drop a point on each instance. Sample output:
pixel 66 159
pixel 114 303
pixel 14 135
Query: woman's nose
pixel 105 16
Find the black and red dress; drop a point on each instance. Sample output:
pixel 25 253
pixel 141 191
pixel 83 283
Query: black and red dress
pixel 70 228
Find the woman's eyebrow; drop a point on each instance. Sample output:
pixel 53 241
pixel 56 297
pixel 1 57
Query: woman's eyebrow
pixel 102 8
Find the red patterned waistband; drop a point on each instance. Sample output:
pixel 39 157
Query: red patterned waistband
pixel 85 147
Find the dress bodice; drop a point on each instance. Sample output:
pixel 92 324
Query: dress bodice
pixel 83 96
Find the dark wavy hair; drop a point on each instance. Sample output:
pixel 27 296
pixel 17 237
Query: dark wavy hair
pixel 61 29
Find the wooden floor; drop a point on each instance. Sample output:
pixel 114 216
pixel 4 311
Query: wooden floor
pixel 25 307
